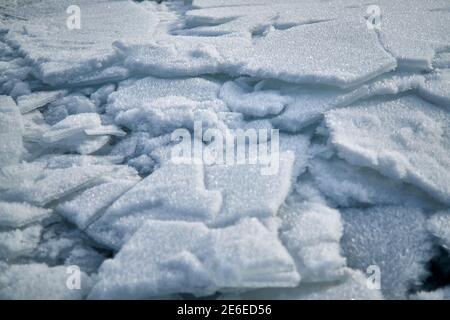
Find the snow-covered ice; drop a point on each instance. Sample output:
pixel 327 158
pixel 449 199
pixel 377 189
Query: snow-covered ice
pixel 335 119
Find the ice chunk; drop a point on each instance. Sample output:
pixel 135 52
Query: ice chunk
pixel 239 97
pixel 247 190
pixel 83 133
pixel 36 100
pixel 83 209
pixel 439 225
pixel 37 281
pixel 17 243
pixel 353 286
pixel 405 138
pixel 172 257
pixel 391 238
pixel 172 192
pixel 16 214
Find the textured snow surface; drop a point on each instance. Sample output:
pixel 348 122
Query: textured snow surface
pixel 231 149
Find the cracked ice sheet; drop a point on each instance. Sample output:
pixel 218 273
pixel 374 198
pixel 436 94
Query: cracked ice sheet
pixel 395 239
pixel 293 55
pixel 37 281
pixel 404 138
pixel 171 257
pixel 60 54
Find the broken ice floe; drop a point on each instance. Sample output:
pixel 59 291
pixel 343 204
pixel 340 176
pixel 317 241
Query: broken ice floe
pixel 171 257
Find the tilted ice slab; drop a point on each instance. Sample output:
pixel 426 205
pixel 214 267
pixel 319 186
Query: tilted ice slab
pixel 391 238
pixel 83 133
pixel 36 100
pixel 84 209
pixel 60 53
pixel 16 214
pixel 37 281
pixel 41 186
pixel 406 138
pixel 172 192
pixel 439 226
pixel 352 286
pixel 11 131
pixel 183 257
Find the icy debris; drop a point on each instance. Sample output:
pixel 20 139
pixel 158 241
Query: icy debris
pixel 240 97
pixel 405 138
pixel 353 286
pixel 83 209
pixel 17 215
pixel 172 257
pixel 391 238
pixel 11 131
pixel 247 191
pixel 16 243
pixel 100 96
pixel 172 192
pixel 298 144
pixel 60 54
pixel 348 185
pixel 37 100
pixel 34 127
pixel 37 281
pixel 436 89
pixel 439 226
pixel 83 133
pixel 68 105
pixel 160 106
